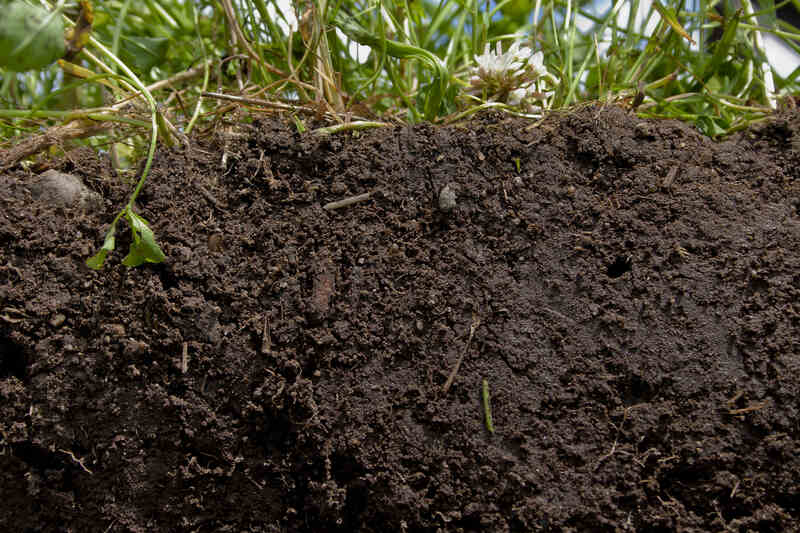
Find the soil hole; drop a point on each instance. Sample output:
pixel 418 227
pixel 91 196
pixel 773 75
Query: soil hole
pixel 620 265
pixel 12 359
pixel 36 456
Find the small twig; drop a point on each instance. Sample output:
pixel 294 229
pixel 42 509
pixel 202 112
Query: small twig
pixel 160 84
pixel 449 383
pixel 350 126
pixel 666 183
pixel 79 461
pixel 254 482
pixel 487 407
pixel 330 206
pixel 749 409
pixel 185 358
pixel 735 488
pixel 32 145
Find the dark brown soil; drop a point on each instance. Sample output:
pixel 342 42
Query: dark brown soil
pixel 629 290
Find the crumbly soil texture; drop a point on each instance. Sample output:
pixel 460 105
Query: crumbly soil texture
pixel 587 324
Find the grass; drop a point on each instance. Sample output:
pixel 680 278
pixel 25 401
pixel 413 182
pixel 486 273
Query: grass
pixel 153 70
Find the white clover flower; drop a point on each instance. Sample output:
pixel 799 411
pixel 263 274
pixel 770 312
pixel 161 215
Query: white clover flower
pixel 517 96
pixel 497 64
pixel 516 77
pixel 486 61
pixel 536 62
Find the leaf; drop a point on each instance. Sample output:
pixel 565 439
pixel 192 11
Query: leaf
pixel 96 261
pixel 31 38
pixel 670 18
pixel 723 46
pixel 143 53
pixel 143 248
pixel 710 126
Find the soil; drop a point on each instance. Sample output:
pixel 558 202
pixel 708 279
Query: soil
pixel 626 291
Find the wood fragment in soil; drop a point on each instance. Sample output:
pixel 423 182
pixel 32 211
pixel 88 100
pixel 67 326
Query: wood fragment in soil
pixel 670 177
pixel 79 461
pixel 748 409
pixel 185 358
pixel 330 206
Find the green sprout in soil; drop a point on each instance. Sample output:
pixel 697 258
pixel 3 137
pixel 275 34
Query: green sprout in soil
pixel 143 246
pixel 487 407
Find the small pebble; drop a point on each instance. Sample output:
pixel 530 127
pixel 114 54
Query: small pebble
pixel 58 320
pixel 447 199
pixel 64 190
pixel 216 243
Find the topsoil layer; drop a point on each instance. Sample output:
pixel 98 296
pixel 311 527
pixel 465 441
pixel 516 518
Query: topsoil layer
pixel 627 291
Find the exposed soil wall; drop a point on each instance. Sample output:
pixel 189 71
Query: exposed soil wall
pixel 629 290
